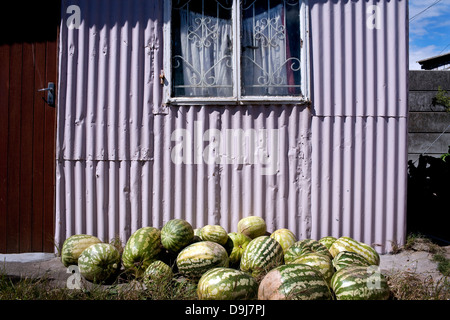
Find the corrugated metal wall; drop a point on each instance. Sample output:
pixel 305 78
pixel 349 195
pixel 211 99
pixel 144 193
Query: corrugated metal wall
pixel 340 165
pixel 105 171
pixel 358 178
pixel 359 127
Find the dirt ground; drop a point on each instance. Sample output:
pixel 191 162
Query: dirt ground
pixel 417 260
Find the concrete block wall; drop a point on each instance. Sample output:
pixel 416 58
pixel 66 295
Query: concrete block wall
pixel 428 125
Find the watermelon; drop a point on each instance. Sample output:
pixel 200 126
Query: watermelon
pixel 226 284
pixel 196 237
pixel 199 257
pixel 141 249
pixel 176 234
pixel 359 283
pixel 239 242
pixel 157 270
pixel 294 282
pixel 74 246
pixel 349 244
pixel 261 255
pixel 214 233
pixel 318 261
pixel 99 262
pixel 347 258
pixel 252 226
pixel 305 246
pixel 327 241
pixel 197 232
pixel 285 237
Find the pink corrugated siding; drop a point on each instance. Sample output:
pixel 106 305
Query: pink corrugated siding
pixel 340 166
pixel 357 69
pixel 116 197
pixel 358 178
pixel 359 130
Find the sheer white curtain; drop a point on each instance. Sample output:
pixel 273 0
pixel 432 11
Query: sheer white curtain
pixel 206 46
pixel 265 54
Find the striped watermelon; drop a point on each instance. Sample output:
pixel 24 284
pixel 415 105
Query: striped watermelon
pixel 226 284
pixel 99 262
pixel 359 283
pixel 157 270
pixel 303 247
pixel 327 241
pixel 347 258
pixel 214 233
pixel 196 237
pixel 261 255
pixel 141 249
pixel 252 226
pixel 349 244
pixel 229 246
pixel 176 234
pixel 74 246
pixel 294 282
pixel 199 257
pixel 239 242
pixel 197 232
pixel 318 261
pixel 285 237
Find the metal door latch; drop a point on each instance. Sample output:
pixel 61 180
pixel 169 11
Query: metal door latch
pixel 50 94
pixel 162 77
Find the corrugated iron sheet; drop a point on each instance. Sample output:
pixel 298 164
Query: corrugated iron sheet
pixel 359 58
pixel 358 178
pixel 115 197
pixel 340 166
pixel 359 129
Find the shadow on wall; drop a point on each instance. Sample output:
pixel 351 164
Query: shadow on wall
pixel 28 22
pixel 429 198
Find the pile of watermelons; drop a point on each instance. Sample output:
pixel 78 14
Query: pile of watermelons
pixel 248 264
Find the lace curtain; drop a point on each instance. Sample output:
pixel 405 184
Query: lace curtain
pixel 206 61
pixel 267 65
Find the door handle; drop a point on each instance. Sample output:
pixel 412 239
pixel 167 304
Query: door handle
pixel 50 94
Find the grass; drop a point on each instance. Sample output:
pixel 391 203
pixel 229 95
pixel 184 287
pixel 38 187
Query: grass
pixel 44 289
pixel 411 286
pixel 438 256
pixel 406 285
pixel 443 264
pixel 415 240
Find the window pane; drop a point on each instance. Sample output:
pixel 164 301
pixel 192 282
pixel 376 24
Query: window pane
pixel 202 48
pixel 270 47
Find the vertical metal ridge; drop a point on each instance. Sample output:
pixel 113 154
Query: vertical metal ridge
pixel 360 110
pixel 356 66
pixel 359 178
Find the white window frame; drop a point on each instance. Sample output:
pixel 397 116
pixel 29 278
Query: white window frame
pixel 237 97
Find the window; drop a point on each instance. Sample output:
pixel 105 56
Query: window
pixel 236 51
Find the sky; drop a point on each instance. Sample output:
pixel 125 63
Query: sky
pixel 429 30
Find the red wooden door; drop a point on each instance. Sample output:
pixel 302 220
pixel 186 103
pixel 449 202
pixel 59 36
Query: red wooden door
pixel 28 62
